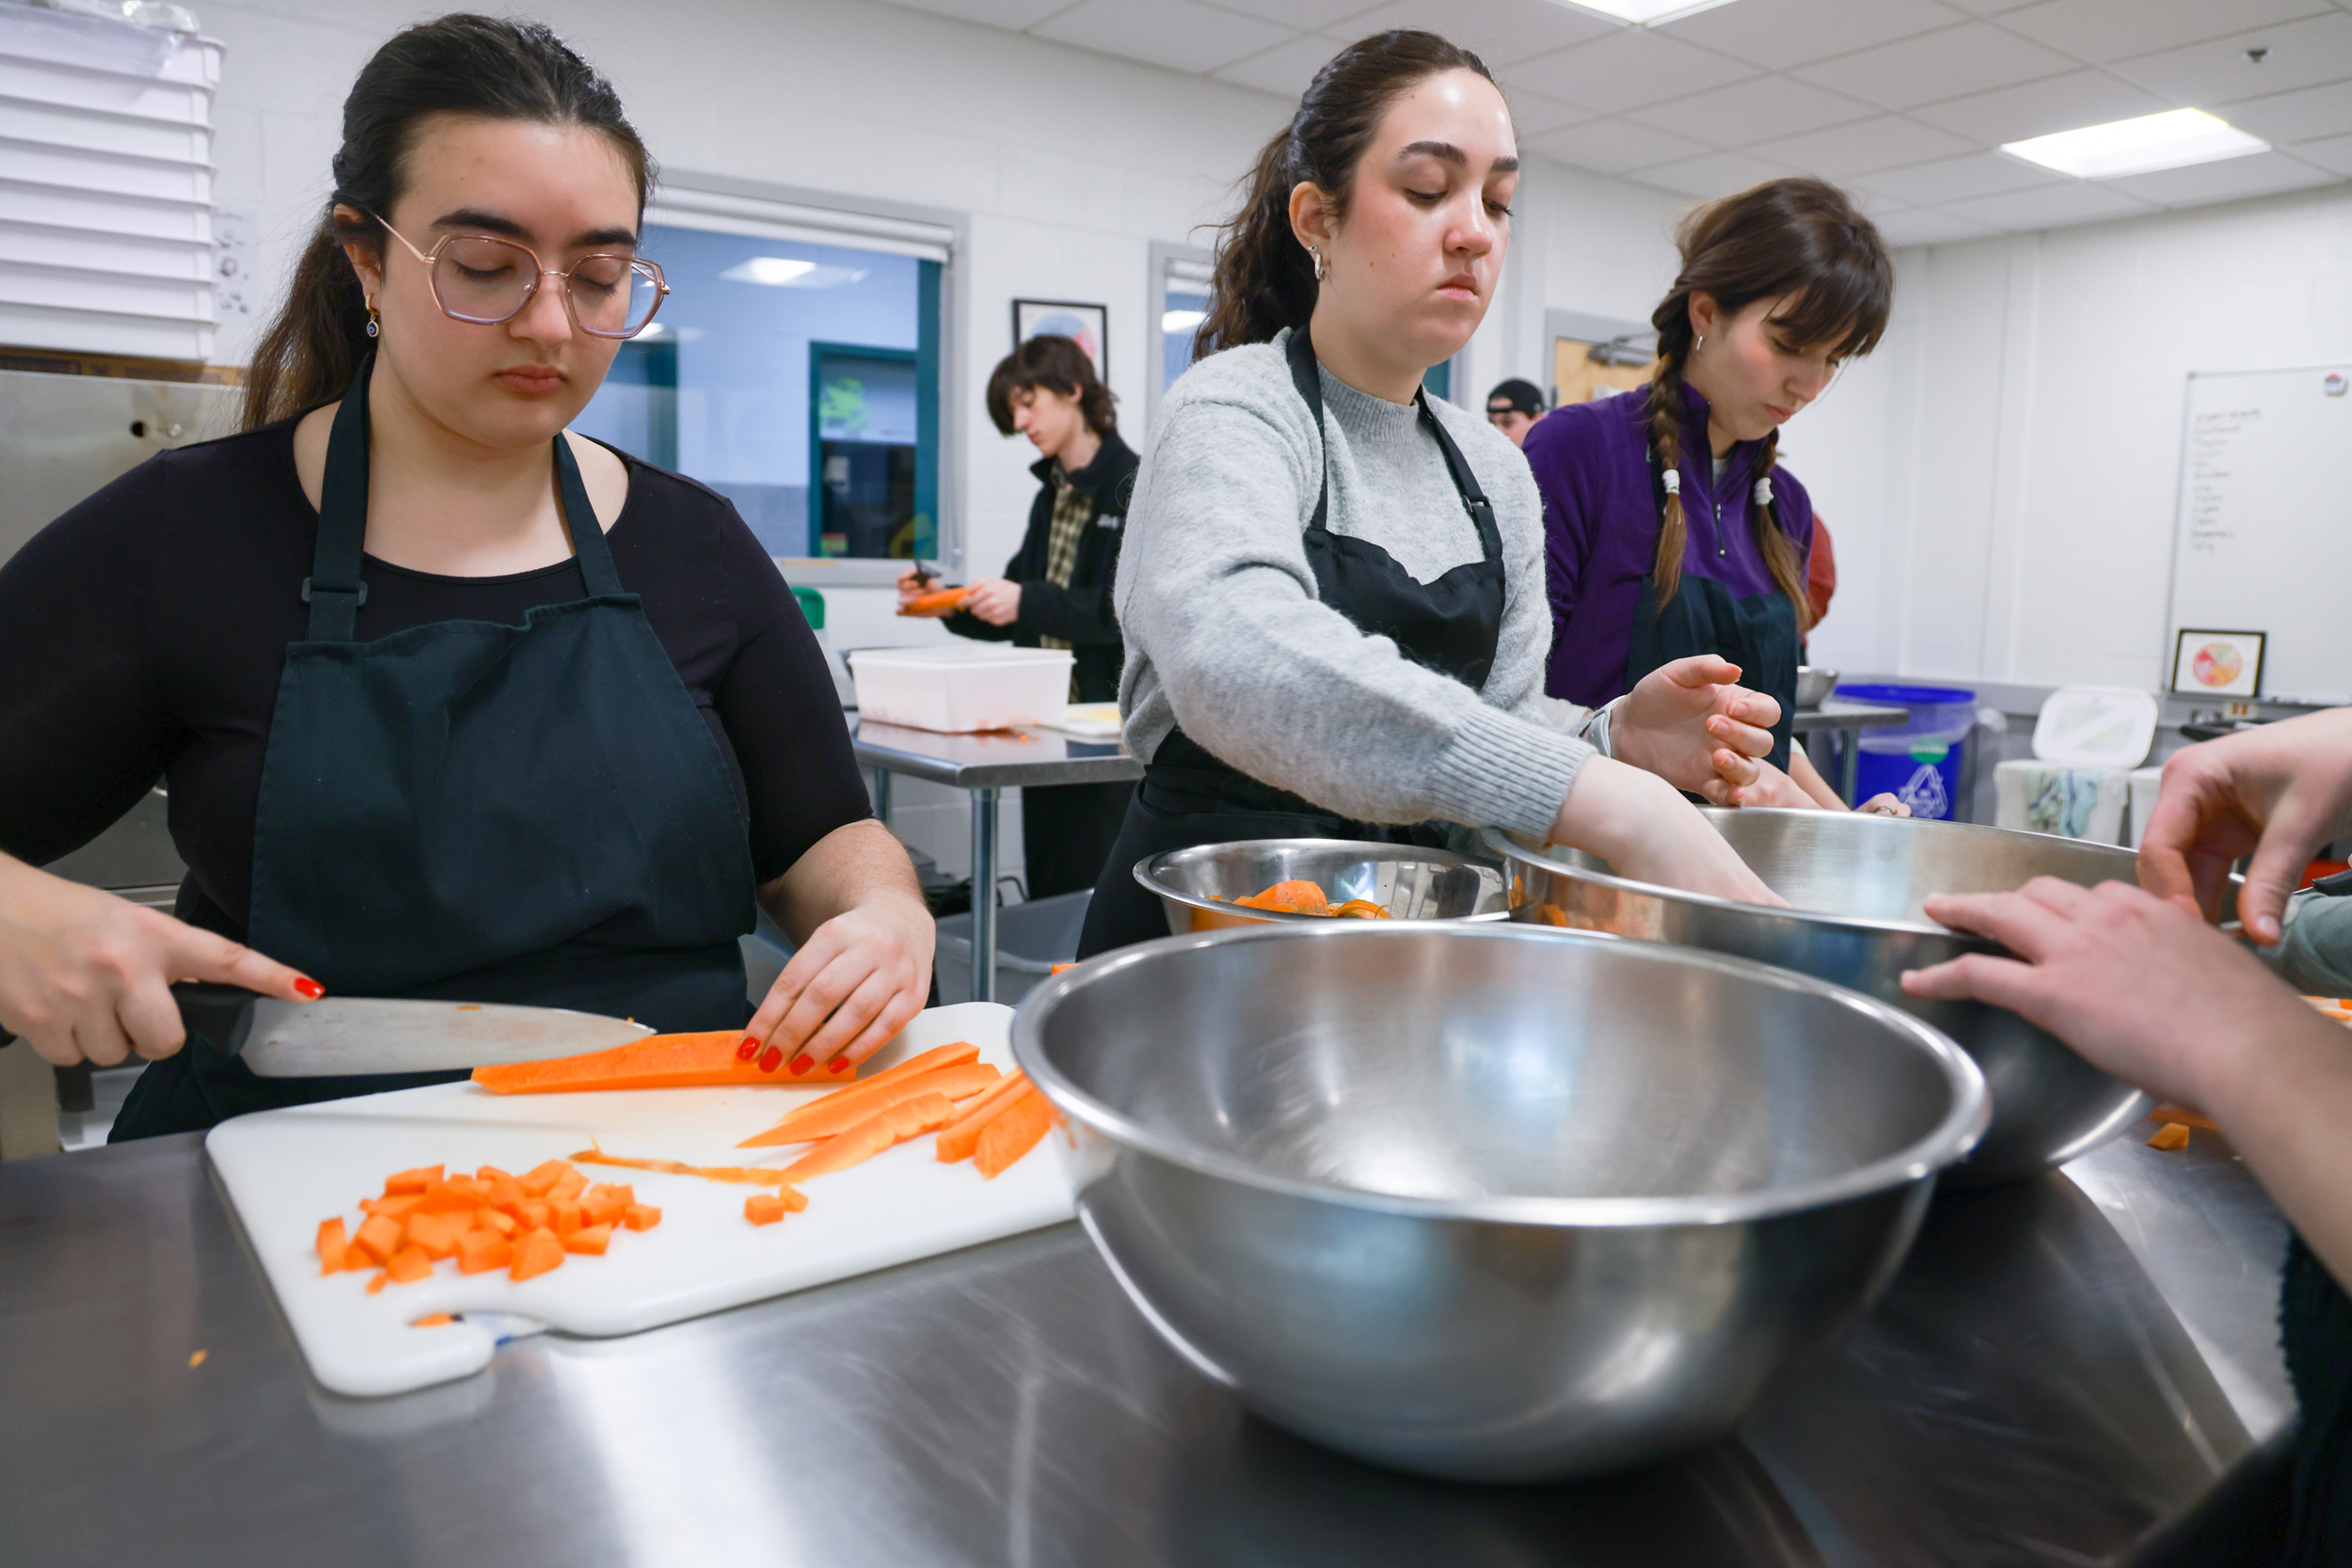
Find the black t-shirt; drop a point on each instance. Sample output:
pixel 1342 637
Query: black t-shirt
pixel 142 635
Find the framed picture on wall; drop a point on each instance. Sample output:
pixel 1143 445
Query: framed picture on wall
pixel 2217 663
pixel 1089 325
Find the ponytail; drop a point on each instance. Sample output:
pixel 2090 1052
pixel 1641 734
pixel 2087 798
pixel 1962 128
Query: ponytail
pixel 1264 279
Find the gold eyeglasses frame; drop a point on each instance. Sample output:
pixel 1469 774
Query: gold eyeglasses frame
pixel 541 273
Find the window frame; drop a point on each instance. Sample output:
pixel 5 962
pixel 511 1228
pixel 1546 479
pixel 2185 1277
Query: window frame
pixel 1163 253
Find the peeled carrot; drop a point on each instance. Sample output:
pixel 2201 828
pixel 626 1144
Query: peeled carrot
pixel 759 1176
pixel 334 1246
pixel 1295 897
pixel 1008 1138
pixel 534 1254
pixel 656 1062
pixel 763 1209
pixel 887 1127
pixel 379 1238
pixel 972 1113
pixel 480 1251
pixel 589 1240
pixel 939 603
pixel 867 1089
pixel 832 1115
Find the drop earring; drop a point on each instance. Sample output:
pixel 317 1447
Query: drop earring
pixel 372 319
pixel 1700 345
pixel 1320 268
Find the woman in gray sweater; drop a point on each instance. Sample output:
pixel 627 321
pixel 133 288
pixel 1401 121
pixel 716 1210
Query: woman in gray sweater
pixel 1332 587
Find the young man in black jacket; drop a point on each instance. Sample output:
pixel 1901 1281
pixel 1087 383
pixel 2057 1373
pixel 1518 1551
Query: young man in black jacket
pixel 1055 591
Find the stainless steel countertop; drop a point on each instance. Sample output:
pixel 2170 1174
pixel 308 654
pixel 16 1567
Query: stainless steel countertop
pixel 992 759
pixel 1835 713
pixel 2050 1372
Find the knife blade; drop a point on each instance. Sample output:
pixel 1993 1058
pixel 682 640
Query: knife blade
pixel 338 1037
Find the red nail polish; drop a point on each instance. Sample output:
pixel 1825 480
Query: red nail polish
pixel 839 1064
pixel 309 990
pixel 801 1063
pixel 749 1049
pixel 770 1058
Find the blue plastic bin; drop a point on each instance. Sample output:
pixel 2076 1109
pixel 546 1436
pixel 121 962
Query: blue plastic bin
pixel 1918 762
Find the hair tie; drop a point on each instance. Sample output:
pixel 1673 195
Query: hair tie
pixel 1674 482
pixel 1763 492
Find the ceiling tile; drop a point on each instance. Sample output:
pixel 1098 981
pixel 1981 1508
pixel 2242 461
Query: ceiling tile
pixel 1633 67
pixel 2333 153
pixel 2103 30
pixel 2050 207
pixel 1753 110
pixel 1534 113
pixel 1304 15
pixel 1931 66
pixel 1716 174
pixel 2291 116
pixel 1770 36
pixel 1614 146
pixel 2229 179
pixel 995 13
pixel 1178 34
pixel 1284 69
pixel 2302 54
pixel 1988 8
pixel 1930 225
pixel 1500 32
pixel 1956 178
pixel 1879 143
pixel 2036 108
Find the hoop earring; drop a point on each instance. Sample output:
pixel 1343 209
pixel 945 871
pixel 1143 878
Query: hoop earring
pixel 372 319
pixel 1320 267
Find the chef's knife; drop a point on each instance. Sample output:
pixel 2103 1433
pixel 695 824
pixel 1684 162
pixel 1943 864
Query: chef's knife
pixel 338 1036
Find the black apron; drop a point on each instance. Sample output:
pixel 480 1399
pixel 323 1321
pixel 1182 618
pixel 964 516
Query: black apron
pixel 1758 633
pixel 469 810
pixel 1191 796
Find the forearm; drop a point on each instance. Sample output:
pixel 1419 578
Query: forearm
pixel 2286 1110
pixel 858 864
pixel 1808 778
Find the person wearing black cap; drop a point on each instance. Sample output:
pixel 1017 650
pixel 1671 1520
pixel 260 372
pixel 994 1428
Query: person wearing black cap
pixel 1513 406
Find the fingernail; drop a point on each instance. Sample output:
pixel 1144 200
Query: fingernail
pixel 749 1049
pixel 801 1063
pixel 307 988
pixel 770 1058
pixel 839 1064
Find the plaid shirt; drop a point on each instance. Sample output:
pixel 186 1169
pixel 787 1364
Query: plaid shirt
pixel 1072 510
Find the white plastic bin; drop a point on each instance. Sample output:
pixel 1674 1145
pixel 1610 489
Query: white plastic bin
pixel 957 689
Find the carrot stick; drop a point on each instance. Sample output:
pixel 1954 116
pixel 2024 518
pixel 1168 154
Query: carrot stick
pixel 334 1246
pixel 1013 1134
pixel 865 1089
pixel 656 1062
pixel 940 603
pixel 753 1175
pixel 833 1115
pixel 1006 1088
pixel 881 1131
pixel 962 1135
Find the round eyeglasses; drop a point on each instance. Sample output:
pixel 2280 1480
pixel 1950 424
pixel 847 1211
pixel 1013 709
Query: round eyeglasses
pixel 486 280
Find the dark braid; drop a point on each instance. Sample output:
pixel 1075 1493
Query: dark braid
pixel 1772 542
pixel 1665 435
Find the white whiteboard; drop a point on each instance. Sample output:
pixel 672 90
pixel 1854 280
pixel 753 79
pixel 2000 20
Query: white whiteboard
pixel 2265 537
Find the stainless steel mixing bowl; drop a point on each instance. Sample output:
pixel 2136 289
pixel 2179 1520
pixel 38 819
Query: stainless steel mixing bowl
pixel 1858 884
pixel 1814 684
pixel 1484 1201
pixel 1197 886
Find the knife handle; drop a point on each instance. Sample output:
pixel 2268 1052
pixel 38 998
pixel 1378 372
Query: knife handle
pixel 222 1014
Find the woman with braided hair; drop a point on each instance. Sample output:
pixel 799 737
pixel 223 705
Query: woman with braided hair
pixel 1670 530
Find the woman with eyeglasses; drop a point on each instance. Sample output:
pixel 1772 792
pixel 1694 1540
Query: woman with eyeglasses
pixel 452 702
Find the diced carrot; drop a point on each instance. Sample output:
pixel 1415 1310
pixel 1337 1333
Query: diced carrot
pixel 392 1208
pixel 379 1237
pixel 492 1174
pixel 434 1320
pixel 534 1254
pixel 412 1181
pixel 763 1209
pixel 541 1179
pixel 640 1216
pixel 2171 1135
pixel 568 1186
pixel 867 1089
pixel 1009 1136
pixel 491 1219
pixel 383 1277
pixel 409 1264
pixel 564 1216
pixel 1297 897
pixel 601 1203
pixel 461 1196
pixel 890 1125
pixel 831 1115
pixel 589 1239
pixel 438 1235
pixel 534 1213
pixel 958 1138
pixel 333 1246
pixel 480 1251
pixel 656 1062
pixel 503 1190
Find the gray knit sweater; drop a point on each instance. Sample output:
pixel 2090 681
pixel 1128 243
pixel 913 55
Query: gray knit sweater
pixel 1226 636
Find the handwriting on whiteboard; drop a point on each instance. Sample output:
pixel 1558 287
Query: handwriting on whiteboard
pixel 2212 443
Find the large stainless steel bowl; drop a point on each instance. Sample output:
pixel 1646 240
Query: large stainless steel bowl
pixel 1858 885
pixel 1197 886
pixel 1814 684
pixel 1485 1202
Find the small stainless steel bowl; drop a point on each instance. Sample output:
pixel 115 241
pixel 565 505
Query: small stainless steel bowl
pixel 1814 684
pixel 1484 1201
pixel 1857 885
pixel 1197 886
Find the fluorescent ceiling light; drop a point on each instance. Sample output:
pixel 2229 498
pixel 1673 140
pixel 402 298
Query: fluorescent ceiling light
pixel 2170 140
pixel 1181 321
pixel 784 271
pixel 1644 13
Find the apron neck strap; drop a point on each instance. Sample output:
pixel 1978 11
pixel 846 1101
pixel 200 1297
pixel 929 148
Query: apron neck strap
pixel 335 590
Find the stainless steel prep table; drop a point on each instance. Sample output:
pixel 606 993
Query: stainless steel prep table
pixel 986 764
pixel 1847 720
pixel 2059 1363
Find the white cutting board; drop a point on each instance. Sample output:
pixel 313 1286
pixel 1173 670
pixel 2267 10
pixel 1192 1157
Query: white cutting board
pixel 287 1170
